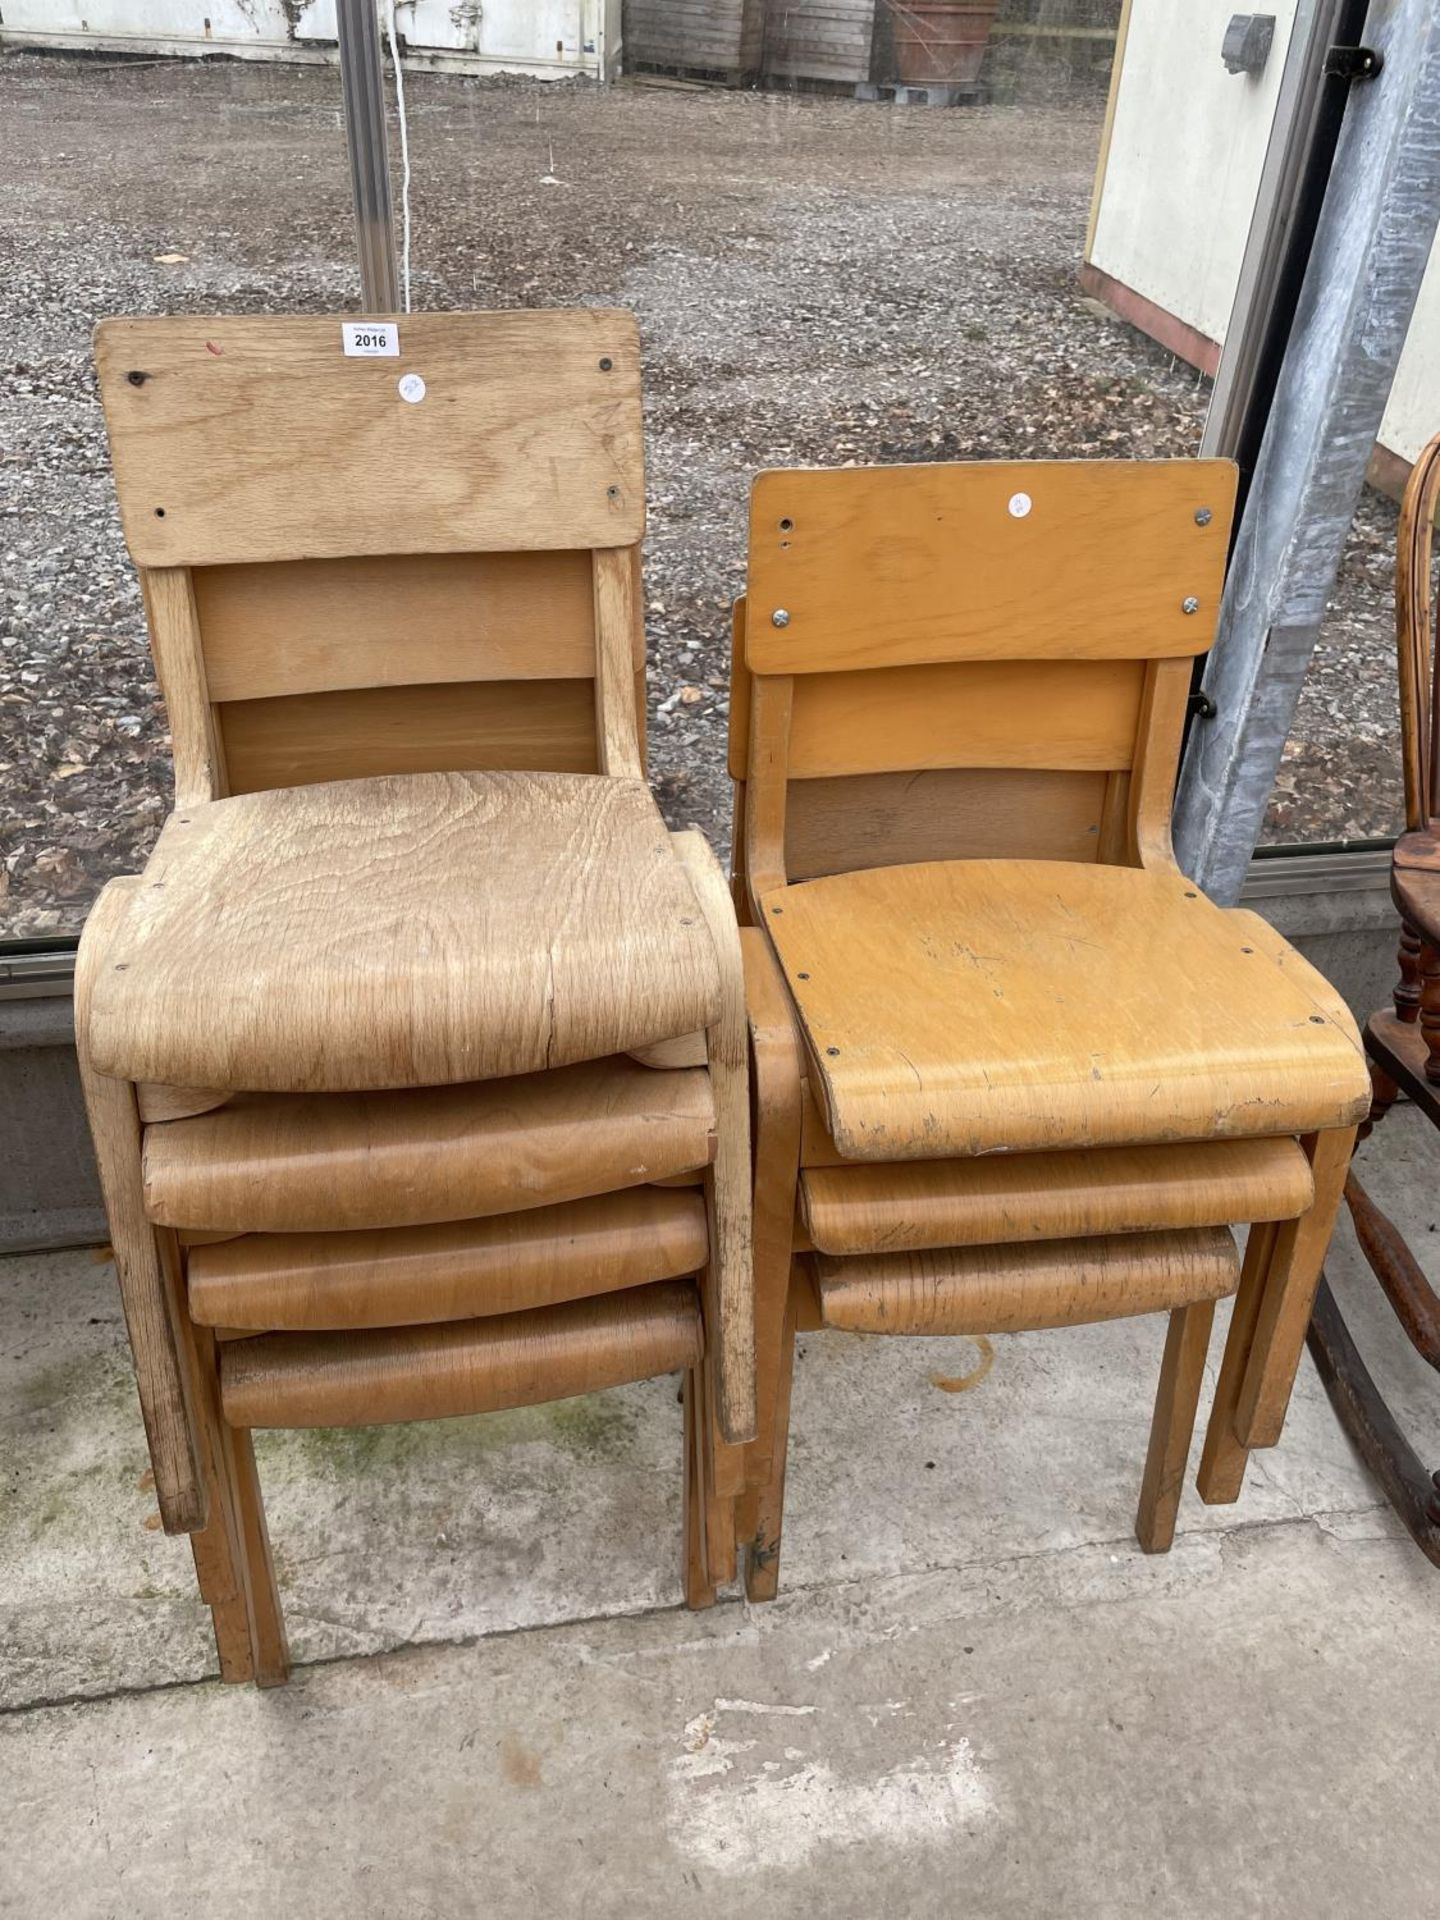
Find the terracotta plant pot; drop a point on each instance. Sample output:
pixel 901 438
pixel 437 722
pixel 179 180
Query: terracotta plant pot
pixel 940 43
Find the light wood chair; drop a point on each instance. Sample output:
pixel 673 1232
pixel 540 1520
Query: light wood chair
pixel 1011 1069
pixel 415 1059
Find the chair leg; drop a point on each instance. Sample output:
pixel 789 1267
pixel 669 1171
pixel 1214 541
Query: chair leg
pixel 1187 1341
pixel 722 1469
pixel 765 1506
pixel 232 1555
pixel 267 1625
pixel 775 1061
pixel 699 1586
pixel 1222 1460
pixel 219 1570
pixel 1267 1331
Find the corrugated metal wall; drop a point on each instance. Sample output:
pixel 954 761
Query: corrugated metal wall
pixel 700 36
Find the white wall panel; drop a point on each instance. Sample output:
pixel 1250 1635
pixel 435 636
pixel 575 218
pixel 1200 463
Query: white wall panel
pixel 538 36
pixel 1186 153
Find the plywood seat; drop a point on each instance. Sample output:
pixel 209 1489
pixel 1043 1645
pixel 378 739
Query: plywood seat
pixel 403 931
pixel 1044 1283
pixel 1001 1199
pixel 313 1163
pixel 472 1366
pixel 968 1007
pixel 458 1270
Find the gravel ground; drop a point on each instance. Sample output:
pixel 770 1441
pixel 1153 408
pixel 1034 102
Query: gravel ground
pixel 817 281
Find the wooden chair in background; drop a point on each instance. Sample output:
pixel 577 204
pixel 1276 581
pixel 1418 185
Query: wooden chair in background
pixel 415 1059
pixel 1011 1069
pixel 1404 1045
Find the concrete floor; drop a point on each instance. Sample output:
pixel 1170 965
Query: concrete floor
pixel 975 1695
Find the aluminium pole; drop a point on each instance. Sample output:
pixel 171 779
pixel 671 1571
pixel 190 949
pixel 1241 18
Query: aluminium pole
pixel 362 79
pixel 1372 245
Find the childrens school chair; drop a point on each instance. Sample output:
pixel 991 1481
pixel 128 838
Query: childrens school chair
pixel 415 1058
pixel 1011 1069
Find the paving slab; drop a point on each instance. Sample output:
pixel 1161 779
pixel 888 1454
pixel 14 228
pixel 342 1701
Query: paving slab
pixel 908 1455
pixel 1247 1727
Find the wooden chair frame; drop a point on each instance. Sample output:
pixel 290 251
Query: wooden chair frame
pixel 228 547
pixel 1282 1263
pixel 1403 1044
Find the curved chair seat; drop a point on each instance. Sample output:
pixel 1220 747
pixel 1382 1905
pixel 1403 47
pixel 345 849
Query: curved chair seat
pixel 980 1006
pixel 404 931
pixel 1415 882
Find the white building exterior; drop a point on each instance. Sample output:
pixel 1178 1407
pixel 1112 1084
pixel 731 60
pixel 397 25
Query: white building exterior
pixel 1176 188
pixel 555 39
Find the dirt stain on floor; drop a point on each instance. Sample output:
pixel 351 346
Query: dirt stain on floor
pixel 962 1382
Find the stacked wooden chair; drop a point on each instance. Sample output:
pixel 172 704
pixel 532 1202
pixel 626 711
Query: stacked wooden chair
pixel 1011 1069
pixel 415 1058
pixel 1403 1043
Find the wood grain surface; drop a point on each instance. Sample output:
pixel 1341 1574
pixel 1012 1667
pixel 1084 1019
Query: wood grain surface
pixel 361 733
pixel 256 438
pixel 458 1270
pixel 894 566
pixel 979 1006
pixel 313 626
pixel 1046 1283
pixel 470 1366
pixel 147 1280
pixel 1005 1197
pixel 307 1163
pixel 403 932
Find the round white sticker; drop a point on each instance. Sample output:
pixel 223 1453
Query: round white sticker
pixel 1019 502
pixel 412 388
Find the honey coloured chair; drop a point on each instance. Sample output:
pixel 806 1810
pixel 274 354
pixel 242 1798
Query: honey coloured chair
pixel 1011 1069
pixel 415 1059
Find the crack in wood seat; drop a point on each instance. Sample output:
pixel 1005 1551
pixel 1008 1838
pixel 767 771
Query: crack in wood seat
pixel 969 1007
pixel 403 931
pixel 1043 1283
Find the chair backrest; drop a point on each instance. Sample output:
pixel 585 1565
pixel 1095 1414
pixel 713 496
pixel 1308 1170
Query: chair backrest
pixel 401 547
pixel 989 660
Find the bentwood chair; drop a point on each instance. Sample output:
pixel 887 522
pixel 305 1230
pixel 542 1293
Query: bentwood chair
pixel 1403 1043
pixel 1011 1069
pixel 415 1058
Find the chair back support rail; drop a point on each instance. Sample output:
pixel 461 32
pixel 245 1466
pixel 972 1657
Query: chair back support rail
pixel 343 581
